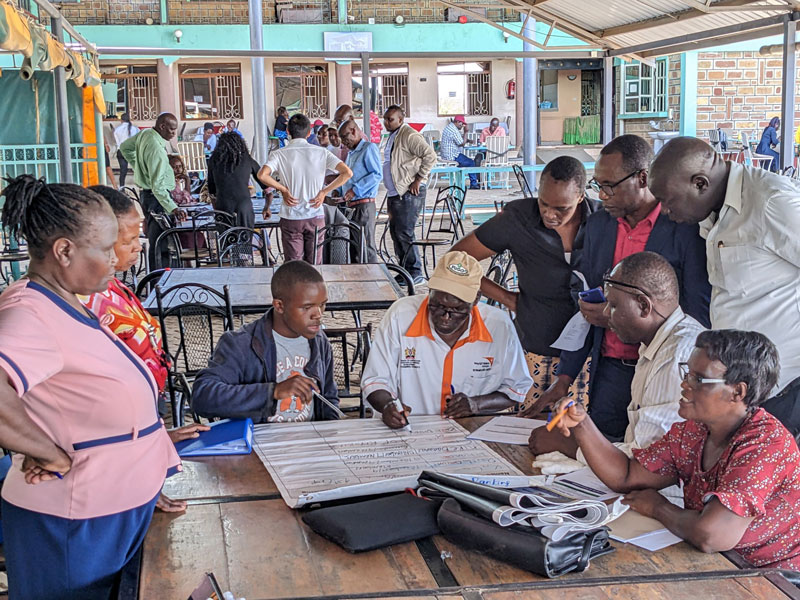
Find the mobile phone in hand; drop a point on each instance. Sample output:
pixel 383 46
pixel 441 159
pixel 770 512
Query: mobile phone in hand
pixel 593 296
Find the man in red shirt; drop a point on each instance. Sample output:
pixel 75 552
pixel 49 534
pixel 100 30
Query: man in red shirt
pixel 630 222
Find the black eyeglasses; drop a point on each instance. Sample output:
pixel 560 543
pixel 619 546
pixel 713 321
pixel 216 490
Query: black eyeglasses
pixel 629 288
pixel 608 188
pixel 694 380
pixel 450 313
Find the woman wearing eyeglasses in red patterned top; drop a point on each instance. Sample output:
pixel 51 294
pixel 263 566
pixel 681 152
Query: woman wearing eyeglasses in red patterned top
pixel 740 467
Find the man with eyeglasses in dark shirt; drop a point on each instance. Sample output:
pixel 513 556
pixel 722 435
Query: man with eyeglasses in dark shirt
pixel 630 222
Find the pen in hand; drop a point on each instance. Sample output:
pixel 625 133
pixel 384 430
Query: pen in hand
pixel 551 424
pixel 399 406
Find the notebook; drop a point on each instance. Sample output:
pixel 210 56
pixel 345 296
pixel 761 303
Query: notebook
pixel 228 437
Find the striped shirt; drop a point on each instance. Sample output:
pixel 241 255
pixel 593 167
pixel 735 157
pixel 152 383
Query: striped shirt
pixel 656 385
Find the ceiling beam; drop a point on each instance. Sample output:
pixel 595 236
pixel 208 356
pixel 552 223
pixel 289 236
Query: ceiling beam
pixel 669 18
pixel 656 47
pixel 715 8
pixel 551 54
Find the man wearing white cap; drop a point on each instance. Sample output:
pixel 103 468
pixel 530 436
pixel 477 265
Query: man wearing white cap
pixel 444 353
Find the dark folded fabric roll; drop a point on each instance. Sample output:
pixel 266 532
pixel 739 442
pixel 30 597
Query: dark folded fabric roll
pixel 376 523
pixel 522 546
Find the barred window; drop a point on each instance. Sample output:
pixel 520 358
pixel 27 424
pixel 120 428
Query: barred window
pixel 137 91
pixel 644 88
pixel 389 85
pixel 464 88
pixel 302 88
pixel 211 92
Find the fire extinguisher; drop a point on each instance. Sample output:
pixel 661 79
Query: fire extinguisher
pixel 511 89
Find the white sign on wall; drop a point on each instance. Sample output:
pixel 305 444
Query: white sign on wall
pixel 348 41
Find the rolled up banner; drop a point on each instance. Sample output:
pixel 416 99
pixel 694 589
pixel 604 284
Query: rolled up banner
pixel 15 35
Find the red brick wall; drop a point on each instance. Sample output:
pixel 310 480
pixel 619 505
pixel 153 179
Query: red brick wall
pixel 738 90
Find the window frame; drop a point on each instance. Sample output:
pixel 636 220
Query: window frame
pixel 277 73
pixel 407 107
pixel 541 89
pixel 152 77
pixel 467 112
pixel 210 76
pixel 659 89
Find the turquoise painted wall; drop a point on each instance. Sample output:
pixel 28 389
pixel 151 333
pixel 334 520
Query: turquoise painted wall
pixel 428 37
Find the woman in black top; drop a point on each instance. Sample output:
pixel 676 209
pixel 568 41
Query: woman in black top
pixel 280 125
pixel 229 171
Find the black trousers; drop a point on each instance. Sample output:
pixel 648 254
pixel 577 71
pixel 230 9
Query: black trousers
pixel 610 395
pixel 151 206
pixel 123 168
pixel 403 214
pixel 364 215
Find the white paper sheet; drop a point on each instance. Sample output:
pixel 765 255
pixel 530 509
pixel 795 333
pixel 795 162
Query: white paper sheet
pixel 574 334
pixel 325 460
pixel 647 533
pixel 506 430
pixel 657 540
pixel 584 484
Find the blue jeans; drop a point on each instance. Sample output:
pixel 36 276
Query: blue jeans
pixel 465 161
pixel 403 214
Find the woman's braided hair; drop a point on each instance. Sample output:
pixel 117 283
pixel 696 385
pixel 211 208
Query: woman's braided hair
pixel 231 150
pixel 43 212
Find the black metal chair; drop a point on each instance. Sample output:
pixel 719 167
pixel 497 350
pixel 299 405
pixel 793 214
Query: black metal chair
pixel 499 271
pixel 352 248
pixel 522 181
pixel 147 283
pixel 239 247
pixel 404 275
pixel 208 225
pixel 168 250
pixel 192 317
pixel 351 346
pixel 444 227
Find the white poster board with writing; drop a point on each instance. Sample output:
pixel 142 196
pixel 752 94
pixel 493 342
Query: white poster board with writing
pixel 327 460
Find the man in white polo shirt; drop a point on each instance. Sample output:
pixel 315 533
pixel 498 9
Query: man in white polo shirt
pixel 445 354
pixel 301 168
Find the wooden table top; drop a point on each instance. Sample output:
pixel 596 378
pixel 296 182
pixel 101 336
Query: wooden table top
pixel 238 526
pixel 350 287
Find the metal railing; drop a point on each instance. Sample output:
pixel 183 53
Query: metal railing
pixel 41 160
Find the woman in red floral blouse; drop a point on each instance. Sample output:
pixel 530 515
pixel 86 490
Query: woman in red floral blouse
pixel 739 466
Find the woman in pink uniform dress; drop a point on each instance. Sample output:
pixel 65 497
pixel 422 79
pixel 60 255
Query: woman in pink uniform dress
pixel 120 310
pixel 740 467
pixel 76 404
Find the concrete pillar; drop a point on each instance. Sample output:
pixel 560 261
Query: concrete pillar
pixel 167 96
pixel 608 100
pixel 788 80
pixel 519 108
pixel 62 114
pixel 365 90
pixel 342 13
pixel 530 102
pixel 261 142
pixel 101 147
pixel 344 84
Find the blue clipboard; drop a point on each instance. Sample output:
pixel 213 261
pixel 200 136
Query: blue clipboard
pixel 225 438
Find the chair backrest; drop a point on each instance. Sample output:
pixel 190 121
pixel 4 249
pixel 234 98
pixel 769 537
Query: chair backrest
pixel 350 346
pixel 404 275
pixel 522 181
pixel 345 242
pixel 446 213
pixel 499 271
pixel 194 156
pixel 147 282
pixel 497 150
pixel 239 247
pixel 431 136
pixel 168 243
pixel 192 317
pixel 713 137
